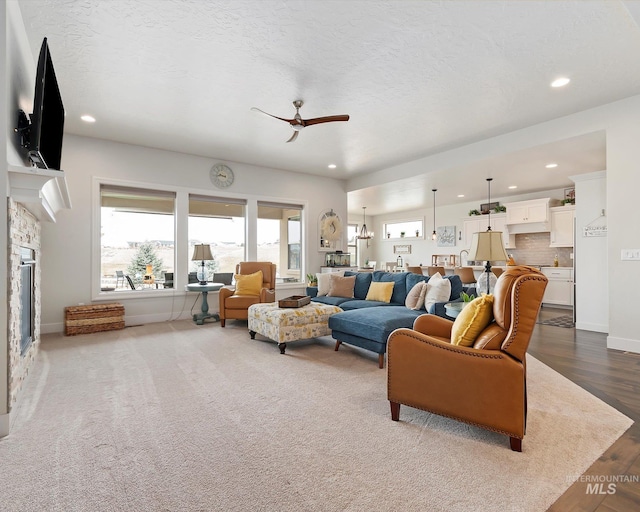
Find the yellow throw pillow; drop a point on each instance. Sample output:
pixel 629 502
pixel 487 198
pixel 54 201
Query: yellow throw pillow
pixel 248 284
pixel 471 321
pixel 380 291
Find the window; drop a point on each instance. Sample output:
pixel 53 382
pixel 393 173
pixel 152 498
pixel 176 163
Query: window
pixel 293 240
pixel 219 222
pixel 137 246
pixel 352 243
pixel 405 229
pixel 280 239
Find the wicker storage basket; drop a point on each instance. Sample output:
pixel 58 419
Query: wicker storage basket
pixel 93 318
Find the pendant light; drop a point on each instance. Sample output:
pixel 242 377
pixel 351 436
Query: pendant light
pixel 434 235
pixel 364 234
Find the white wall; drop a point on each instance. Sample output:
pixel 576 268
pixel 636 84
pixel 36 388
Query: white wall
pixel 591 276
pixel 68 245
pixel 623 215
pixel 4 363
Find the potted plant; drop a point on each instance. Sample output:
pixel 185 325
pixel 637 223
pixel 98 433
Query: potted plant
pixel 474 212
pixel 500 208
pixel 466 297
pixel 401 234
pixel 312 279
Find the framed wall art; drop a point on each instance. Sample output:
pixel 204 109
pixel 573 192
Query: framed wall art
pixel 402 249
pixel 446 236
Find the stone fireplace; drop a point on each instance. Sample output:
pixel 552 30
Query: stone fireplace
pixel 24 294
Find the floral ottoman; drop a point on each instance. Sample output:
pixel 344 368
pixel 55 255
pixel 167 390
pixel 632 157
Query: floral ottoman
pixel 290 324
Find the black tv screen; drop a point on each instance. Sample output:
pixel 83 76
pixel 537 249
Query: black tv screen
pixel 47 120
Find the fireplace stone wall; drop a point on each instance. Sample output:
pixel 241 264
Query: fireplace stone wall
pixel 24 231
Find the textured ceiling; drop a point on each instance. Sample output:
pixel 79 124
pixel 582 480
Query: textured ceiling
pixel 416 77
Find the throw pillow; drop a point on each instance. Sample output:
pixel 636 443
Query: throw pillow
pixel 438 290
pixel 415 297
pixel 341 286
pixel 324 281
pixel 472 320
pixel 248 284
pixel 380 291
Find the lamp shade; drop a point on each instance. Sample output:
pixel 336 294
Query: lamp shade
pixel 201 252
pixel 487 246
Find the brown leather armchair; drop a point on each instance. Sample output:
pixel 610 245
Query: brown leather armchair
pixel 237 306
pixel 484 385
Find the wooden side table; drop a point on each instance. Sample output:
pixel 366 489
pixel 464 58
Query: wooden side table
pixel 204 289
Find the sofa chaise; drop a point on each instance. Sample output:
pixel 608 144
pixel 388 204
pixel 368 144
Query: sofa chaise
pixel 368 323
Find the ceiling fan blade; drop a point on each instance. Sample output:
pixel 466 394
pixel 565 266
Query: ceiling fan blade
pixel 327 119
pixel 293 137
pixel 271 115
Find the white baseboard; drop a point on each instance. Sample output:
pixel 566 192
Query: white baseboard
pixel 4 424
pixel 129 320
pixel 623 344
pixel 586 326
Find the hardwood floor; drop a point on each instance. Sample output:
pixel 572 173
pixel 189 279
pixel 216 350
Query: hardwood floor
pixel 614 377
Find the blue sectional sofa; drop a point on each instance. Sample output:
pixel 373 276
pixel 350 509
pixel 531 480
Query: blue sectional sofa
pixel 368 324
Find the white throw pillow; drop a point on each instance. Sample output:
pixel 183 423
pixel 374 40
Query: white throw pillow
pixel 438 290
pixel 324 281
pixel 415 297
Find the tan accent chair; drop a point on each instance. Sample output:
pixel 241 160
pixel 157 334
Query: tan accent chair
pixel 415 270
pixel 433 270
pixel 497 271
pixel 483 385
pixel 237 306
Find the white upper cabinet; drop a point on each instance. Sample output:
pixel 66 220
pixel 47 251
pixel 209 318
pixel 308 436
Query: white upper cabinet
pixel 481 222
pixel 525 212
pixel 562 226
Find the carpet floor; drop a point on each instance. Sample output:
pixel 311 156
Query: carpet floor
pixel 178 417
pixel 559 321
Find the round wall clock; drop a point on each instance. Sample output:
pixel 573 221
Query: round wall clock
pixel 221 175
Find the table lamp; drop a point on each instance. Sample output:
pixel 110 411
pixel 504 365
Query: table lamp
pixel 202 252
pixel 487 246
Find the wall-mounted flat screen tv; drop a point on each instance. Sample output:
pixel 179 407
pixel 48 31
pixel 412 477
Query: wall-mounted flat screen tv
pixel 47 120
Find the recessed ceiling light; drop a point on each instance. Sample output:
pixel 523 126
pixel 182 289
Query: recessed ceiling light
pixel 560 82
pixel 88 119
pixel 513 186
pixel 460 195
pixel 551 165
pixel 332 166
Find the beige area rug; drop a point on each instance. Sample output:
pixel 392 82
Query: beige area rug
pixel 179 417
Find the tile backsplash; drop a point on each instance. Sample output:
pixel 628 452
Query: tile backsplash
pixel 533 249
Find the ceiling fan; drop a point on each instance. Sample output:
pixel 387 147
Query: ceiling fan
pixel 297 123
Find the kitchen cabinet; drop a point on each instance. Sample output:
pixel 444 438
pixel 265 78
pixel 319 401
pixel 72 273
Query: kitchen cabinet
pixel 525 212
pixel 562 226
pixel 481 222
pixel 559 289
